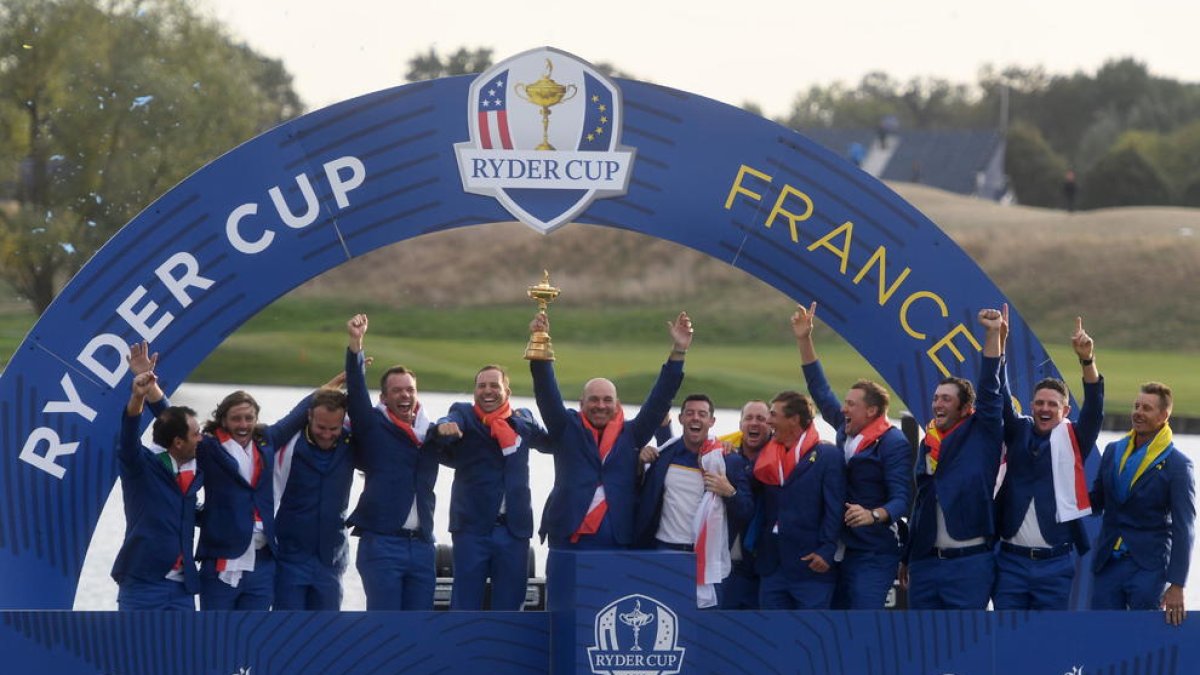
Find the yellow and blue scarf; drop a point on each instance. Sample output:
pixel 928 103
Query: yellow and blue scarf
pixel 1134 462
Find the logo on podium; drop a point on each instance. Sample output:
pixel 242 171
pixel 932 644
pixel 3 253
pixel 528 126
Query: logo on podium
pixel 545 138
pixel 636 634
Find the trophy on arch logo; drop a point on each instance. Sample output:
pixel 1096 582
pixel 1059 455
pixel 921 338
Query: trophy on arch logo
pixel 545 137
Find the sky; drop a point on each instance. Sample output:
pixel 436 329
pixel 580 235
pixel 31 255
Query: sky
pixel 763 51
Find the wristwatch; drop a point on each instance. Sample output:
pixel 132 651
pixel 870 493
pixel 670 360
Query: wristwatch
pixel 875 515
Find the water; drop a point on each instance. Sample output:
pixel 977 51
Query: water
pixel 98 592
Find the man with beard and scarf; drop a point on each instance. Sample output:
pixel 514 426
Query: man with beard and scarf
pixel 491 519
pixel 878 480
pixel 1146 493
pixel 394 516
pixel 1043 499
pixel 596 451
pixel 949 553
pixel 678 509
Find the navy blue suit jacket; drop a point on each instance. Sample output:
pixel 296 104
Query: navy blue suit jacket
pixel 483 475
pixel 738 508
pixel 227 519
pixel 311 522
pixel 1157 521
pixel 1028 474
pixel 396 469
pixel 965 481
pixel 809 508
pixel 160 520
pixel 577 467
pixel 878 476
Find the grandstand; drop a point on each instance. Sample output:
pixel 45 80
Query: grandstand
pixel 966 162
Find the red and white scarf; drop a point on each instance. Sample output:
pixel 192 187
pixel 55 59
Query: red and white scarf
pixel 415 431
pixel 867 436
pixel 710 533
pixel 605 442
pixel 775 462
pixel 497 423
pixel 1070 485
pixel 250 466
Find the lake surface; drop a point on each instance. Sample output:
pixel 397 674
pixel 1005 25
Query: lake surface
pixel 98 592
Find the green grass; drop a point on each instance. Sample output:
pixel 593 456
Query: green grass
pixel 737 356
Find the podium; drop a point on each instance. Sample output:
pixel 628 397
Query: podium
pixel 625 612
pixel 609 613
pixel 618 611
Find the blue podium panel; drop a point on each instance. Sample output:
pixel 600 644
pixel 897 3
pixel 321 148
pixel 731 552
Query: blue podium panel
pixel 634 612
pixel 241 643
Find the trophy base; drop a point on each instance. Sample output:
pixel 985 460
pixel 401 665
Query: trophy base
pixel 539 349
pixel 539 354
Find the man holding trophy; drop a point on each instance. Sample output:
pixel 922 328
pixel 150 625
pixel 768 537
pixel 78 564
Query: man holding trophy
pixel 591 505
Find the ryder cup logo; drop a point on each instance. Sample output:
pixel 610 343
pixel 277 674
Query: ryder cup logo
pixel 636 634
pixel 545 138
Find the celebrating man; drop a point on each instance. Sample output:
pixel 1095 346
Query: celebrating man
pixel 596 451
pixel 1043 498
pixel 878 487
pixel 394 516
pixel 740 588
pixel 949 554
pixel 313 474
pixel 693 496
pixel 804 489
pixel 491 519
pixel 155 568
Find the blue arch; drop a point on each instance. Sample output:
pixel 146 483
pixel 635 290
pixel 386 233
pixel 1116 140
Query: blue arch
pixel 381 169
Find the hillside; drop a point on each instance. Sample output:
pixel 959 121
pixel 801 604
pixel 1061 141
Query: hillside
pixel 1131 271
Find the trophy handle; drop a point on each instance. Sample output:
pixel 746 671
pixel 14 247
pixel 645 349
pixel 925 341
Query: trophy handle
pixel 573 90
pixel 522 91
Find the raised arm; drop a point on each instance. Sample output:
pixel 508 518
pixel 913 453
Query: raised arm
pixel 681 335
pixel 802 328
pixel 545 386
pixel 358 398
pixel 1091 415
pixel 142 361
pixel 814 375
pixel 993 322
pixel 658 402
pixel 291 424
pixel 988 404
pixel 131 443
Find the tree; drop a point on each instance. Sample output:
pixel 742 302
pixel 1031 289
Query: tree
pixel 1036 171
pixel 1124 177
pixel 104 106
pixel 430 65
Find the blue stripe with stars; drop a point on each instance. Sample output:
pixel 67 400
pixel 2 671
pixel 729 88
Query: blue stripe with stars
pixel 597 121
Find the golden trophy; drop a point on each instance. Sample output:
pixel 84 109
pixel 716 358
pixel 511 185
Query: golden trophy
pixel 546 93
pixel 539 348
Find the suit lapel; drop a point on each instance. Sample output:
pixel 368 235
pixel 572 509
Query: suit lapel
pixel 806 462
